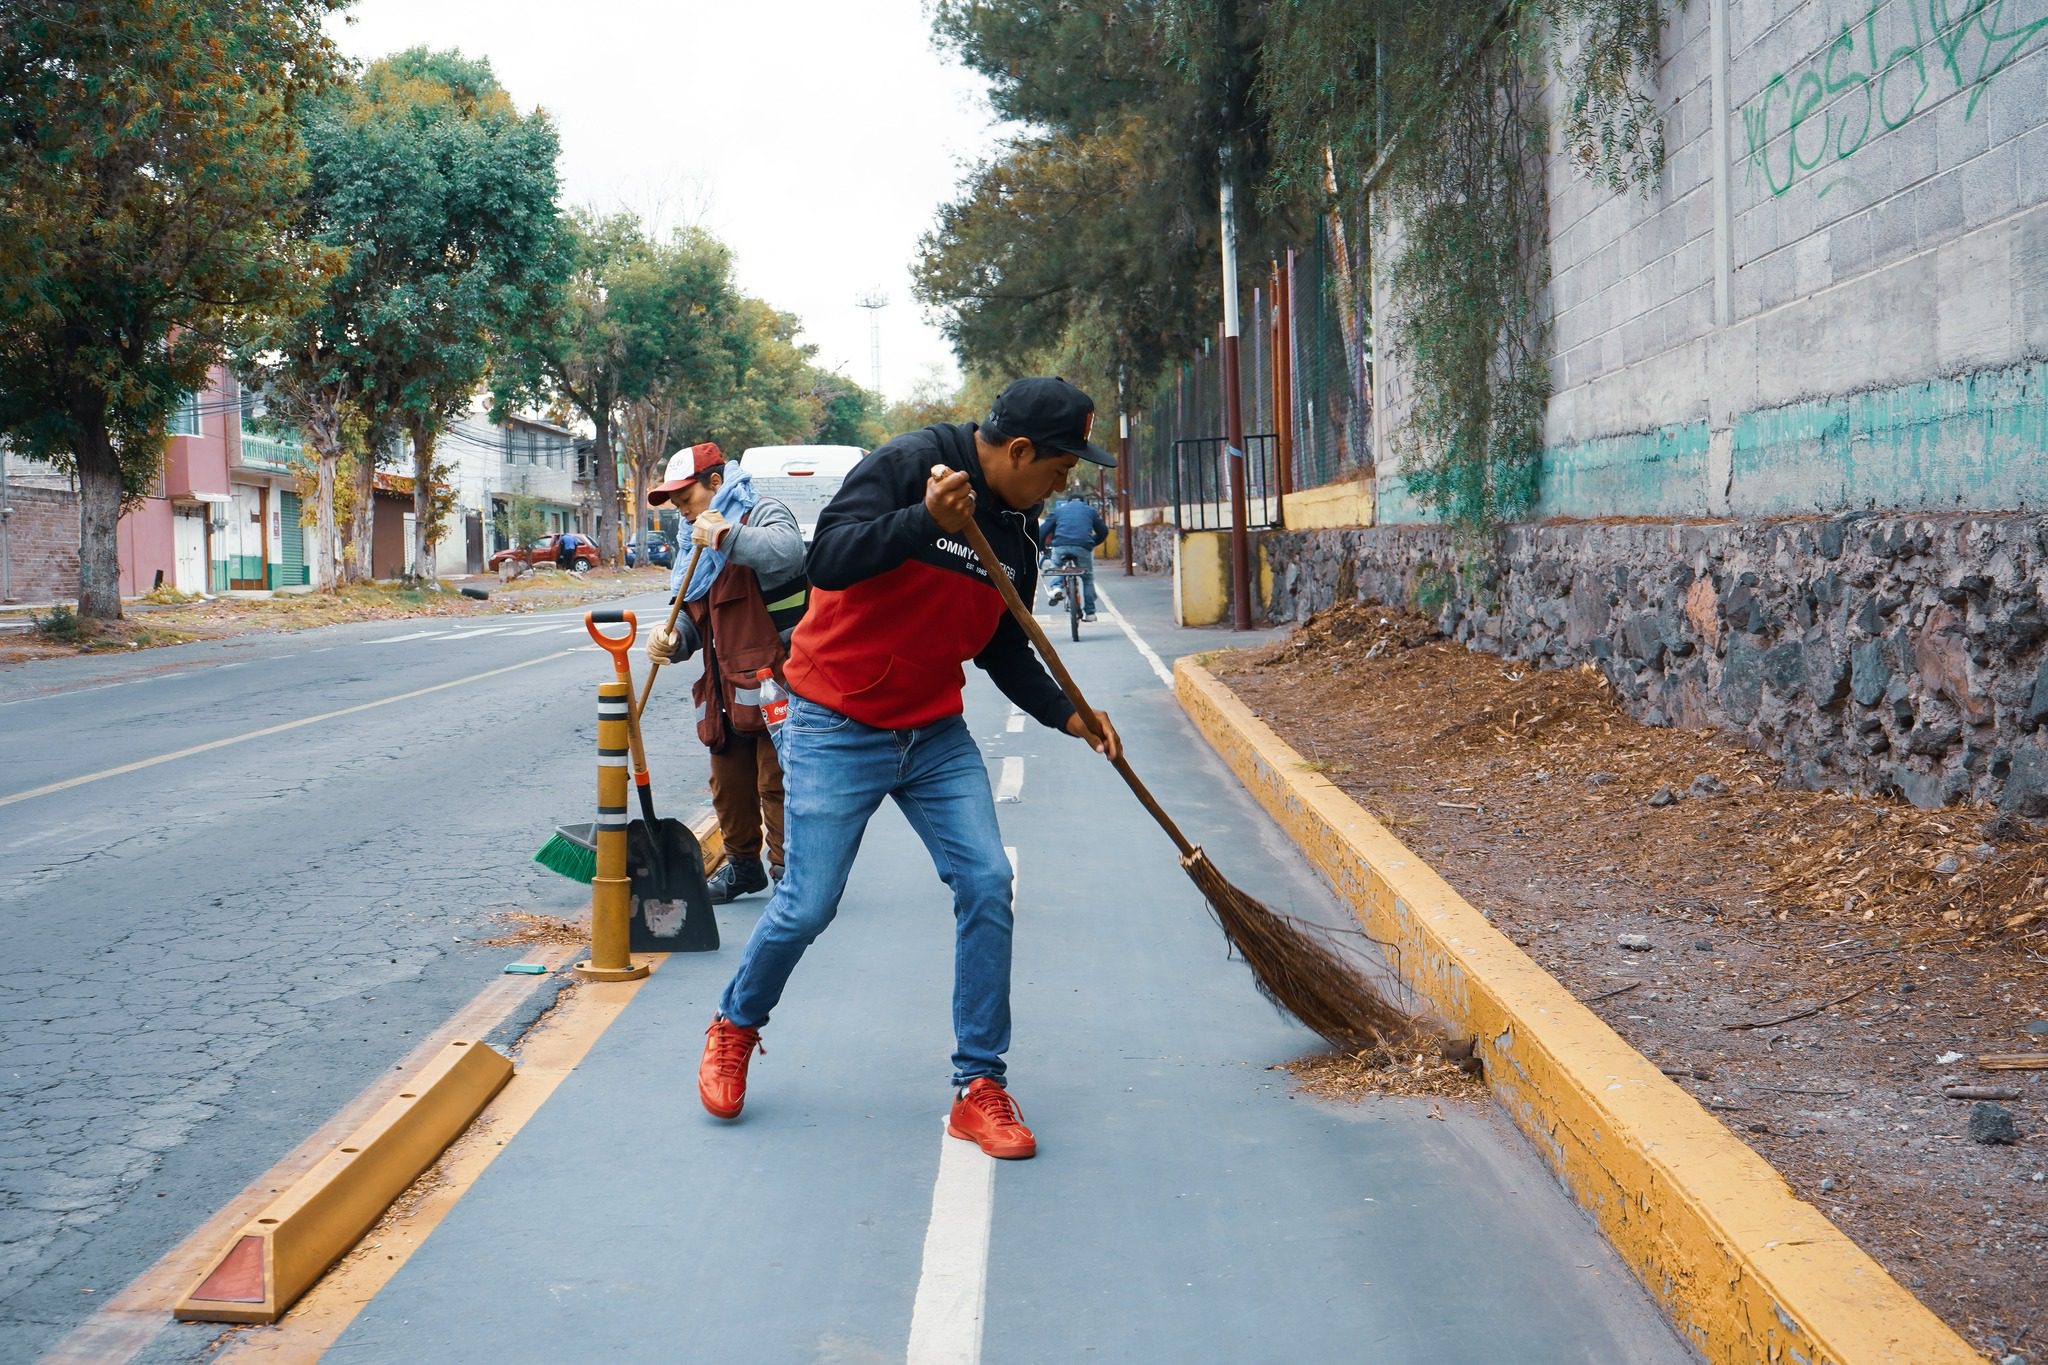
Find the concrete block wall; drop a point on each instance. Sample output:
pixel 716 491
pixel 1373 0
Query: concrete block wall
pixel 1835 297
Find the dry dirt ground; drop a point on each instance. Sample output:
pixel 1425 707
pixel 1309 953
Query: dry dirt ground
pixel 1820 968
pixel 170 619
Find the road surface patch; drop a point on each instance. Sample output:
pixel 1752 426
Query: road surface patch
pixel 1743 1268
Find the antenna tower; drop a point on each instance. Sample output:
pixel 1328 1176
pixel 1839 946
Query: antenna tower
pixel 874 301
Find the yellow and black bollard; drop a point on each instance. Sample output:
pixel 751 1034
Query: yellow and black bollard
pixel 611 892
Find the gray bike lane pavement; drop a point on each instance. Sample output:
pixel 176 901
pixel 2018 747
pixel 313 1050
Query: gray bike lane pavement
pixel 1186 1205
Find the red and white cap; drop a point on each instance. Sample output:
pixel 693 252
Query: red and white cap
pixel 685 467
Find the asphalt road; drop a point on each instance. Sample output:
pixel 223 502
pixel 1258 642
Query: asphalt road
pixel 209 956
pixel 213 954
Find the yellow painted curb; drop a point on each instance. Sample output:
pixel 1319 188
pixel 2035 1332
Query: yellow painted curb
pixel 1746 1271
pixel 280 1253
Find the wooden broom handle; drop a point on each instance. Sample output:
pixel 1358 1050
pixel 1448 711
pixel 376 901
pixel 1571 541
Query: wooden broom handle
pixel 675 610
pixel 978 542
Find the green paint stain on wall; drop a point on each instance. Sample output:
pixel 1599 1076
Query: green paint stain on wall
pixel 1651 473
pixel 1971 441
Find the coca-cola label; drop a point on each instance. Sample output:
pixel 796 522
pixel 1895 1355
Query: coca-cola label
pixel 774 701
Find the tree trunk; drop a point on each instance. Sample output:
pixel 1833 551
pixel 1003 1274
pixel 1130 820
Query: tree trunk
pixel 424 535
pixel 357 566
pixel 323 522
pixel 645 472
pixel 99 520
pixel 607 488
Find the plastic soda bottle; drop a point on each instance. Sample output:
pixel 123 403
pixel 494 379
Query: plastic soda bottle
pixel 774 701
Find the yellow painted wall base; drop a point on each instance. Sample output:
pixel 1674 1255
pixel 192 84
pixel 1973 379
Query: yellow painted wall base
pixel 1746 1271
pixel 1201 578
pixel 280 1253
pixel 1333 505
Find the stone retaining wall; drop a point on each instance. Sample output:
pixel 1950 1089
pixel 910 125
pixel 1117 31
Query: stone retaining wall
pixel 1882 652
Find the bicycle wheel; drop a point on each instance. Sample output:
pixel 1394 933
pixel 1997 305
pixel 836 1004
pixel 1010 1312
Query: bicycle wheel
pixel 1074 607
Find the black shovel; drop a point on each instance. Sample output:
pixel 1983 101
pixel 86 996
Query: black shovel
pixel 671 904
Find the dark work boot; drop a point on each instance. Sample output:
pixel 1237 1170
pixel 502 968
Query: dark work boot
pixel 739 877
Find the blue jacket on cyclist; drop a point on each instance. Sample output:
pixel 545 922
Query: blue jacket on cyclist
pixel 1071 531
pixel 1072 522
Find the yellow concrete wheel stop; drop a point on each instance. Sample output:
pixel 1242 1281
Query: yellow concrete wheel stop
pixel 279 1254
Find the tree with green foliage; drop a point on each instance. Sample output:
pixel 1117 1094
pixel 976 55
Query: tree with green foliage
pixel 449 192
pixel 149 157
pixel 1102 214
pixel 848 415
pixel 601 341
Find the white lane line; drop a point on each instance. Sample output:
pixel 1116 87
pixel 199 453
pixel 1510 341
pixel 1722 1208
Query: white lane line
pixel 416 635
pixel 1010 783
pixel 533 630
pixel 1014 724
pixel 1158 665
pixel 211 745
pixel 952 1286
pixel 470 634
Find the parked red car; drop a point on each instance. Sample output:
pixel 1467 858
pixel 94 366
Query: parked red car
pixel 542 551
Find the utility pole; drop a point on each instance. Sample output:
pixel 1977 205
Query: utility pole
pixel 874 301
pixel 6 512
pixel 1123 467
pixel 1233 408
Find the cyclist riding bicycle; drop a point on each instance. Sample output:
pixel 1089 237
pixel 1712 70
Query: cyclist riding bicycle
pixel 1070 532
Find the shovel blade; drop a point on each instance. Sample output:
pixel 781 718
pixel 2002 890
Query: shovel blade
pixel 671 903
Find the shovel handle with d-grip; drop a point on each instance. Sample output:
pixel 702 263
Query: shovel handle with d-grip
pixel 620 647
pixel 675 610
pixel 990 565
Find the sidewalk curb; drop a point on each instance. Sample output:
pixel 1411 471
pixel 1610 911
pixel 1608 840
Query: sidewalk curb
pixel 1744 1269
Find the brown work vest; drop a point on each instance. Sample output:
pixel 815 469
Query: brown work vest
pixel 740 639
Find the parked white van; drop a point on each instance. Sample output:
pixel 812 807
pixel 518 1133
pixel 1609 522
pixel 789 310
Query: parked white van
pixel 802 478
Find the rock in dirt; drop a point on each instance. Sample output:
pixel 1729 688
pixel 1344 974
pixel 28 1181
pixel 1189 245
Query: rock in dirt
pixel 1706 784
pixel 1992 1125
pixel 1664 797
pixel 1600 779
pixel 1701 945
pixel 1948 866
pixel 1635 943
pixel 2039 1026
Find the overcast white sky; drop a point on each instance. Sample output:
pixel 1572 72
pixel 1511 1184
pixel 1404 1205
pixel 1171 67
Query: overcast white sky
pixel 814 137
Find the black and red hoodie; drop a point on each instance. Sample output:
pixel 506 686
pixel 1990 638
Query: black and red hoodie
pixel 897 605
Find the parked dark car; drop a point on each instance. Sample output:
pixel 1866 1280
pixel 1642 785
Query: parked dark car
pixel 542 551
pixel 658 549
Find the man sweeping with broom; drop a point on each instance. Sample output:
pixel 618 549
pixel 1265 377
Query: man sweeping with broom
pixel 898 605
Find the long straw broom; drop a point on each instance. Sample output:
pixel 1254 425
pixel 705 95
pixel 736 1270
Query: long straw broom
pixel 1291 965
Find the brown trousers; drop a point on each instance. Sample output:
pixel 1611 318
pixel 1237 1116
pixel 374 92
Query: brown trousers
pixel 746 791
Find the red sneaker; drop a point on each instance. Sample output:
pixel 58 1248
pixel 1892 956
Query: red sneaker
pixel 987 1116
pixel 722 1075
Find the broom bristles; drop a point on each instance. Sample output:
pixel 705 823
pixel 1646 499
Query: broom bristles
pixel 569 856
pixel 1300 973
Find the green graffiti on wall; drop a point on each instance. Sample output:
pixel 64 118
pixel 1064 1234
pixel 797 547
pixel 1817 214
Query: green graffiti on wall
pixel 1870 84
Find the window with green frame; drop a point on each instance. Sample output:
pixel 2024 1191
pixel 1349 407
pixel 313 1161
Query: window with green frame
pixel 185 421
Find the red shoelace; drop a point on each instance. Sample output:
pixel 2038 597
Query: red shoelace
pixel 995 1104
pixel 730 1046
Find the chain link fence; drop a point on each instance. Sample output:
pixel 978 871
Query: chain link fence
pixel 1305 362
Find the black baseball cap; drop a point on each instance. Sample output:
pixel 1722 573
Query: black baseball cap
pixel 1049 412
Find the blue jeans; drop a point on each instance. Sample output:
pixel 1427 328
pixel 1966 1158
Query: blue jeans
pixel 835 772
pixel 1083 558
